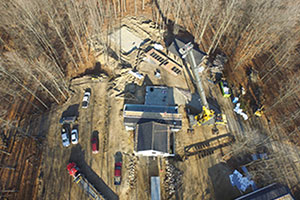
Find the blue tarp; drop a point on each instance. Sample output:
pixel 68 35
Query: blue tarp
pixel 242 183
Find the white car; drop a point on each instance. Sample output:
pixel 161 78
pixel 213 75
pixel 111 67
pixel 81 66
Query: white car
pixel 74 136
pixel 65 136
pixel 86 98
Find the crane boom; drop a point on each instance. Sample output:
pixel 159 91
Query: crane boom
pixel 207 115
pixel 186 50
pixel 198 81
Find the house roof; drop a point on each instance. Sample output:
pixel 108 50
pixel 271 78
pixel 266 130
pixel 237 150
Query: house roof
pixel 152 136
pixel 177 44
pixel 273 191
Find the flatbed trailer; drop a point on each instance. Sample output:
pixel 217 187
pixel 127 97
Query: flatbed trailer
pixel 87 187
pixel 84 183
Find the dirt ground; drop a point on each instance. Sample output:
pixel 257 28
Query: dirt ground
pixel 203 177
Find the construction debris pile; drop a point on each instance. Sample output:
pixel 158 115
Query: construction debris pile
pixel 219 62
pixel 216 68
pixel 132 171
pixel 172 180
pixel 118 84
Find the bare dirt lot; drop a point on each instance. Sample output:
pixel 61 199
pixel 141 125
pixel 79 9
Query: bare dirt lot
pixel 200 176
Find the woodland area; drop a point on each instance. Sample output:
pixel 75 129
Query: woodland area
pixel 44 44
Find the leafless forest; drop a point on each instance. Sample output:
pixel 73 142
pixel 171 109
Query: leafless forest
pixel 43 44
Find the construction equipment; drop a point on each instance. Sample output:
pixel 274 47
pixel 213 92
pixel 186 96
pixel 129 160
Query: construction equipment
pixel 83 182
pixel 225 88
pixel 259 111
pixel 207 116
pixel 220 119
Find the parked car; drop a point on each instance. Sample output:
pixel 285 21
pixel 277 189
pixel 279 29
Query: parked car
pixel 118 173
pixel 74 135
pixel 95 144
pixel 86 98
pixel 68 120
pixel 65 135
pixel 118 168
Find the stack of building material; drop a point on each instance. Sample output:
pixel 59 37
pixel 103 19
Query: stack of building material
pixel 218 64
pixel 132 171
pixel 172 180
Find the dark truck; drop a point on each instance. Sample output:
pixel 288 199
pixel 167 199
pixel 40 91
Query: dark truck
pixel 83 182
pixel 118 168
pixel 68 120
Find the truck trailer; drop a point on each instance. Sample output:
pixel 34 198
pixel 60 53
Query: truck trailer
pixel 83 182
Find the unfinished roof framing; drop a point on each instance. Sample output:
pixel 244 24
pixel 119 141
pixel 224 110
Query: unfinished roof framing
pixel 163 61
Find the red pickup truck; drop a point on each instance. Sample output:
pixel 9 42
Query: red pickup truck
pixel 118 168
pixel 118 173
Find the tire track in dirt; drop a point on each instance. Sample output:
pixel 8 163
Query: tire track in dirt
pixel 105 133
pixel 91 109
pixel 106 141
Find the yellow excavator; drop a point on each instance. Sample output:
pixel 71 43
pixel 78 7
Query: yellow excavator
pixel 259 111
pixel 205 117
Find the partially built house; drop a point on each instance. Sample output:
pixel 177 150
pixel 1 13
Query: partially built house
pixel 158 58
pixel 154 123
pixel 154 139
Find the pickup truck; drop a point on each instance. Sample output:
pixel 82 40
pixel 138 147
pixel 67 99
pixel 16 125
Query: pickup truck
pixel 118 173
pixel 118 168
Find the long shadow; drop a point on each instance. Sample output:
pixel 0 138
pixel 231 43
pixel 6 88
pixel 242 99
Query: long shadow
pixel 213 104
pixel 222 188
pixel 72 110
pixel 135 94
pixel 77 156
pixel 194 105
pixel 207 147
pixel 97 70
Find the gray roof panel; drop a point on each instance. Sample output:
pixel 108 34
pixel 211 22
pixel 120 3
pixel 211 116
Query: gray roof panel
pixel 152 136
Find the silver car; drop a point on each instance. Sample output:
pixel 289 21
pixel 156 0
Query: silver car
pixel 86 98
pixel 74 135
pixel 65 136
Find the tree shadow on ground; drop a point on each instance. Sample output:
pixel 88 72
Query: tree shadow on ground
pixel 96 70
pixel 72 110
